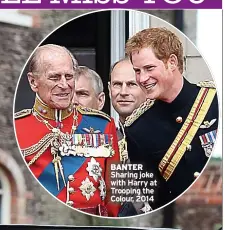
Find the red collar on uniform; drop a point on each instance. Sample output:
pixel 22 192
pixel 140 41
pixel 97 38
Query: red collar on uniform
pixel 53 114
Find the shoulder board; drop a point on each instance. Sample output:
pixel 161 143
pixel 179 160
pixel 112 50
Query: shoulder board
pixel 207 84
pixel 138 112
pixel 23 113
pixel 89 111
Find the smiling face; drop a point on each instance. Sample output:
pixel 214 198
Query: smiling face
pixel 125 93
pixel 54 81
pixel 152 74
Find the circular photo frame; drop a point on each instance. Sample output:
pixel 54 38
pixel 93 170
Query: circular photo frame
pixel 132 149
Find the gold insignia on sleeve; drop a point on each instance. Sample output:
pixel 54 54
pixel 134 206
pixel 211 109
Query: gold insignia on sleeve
pixel 23 113
pixel 207 84
pixel 89 111
pixel 138 112
pixel 207 124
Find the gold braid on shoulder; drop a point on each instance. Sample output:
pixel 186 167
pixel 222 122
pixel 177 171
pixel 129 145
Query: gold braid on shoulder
pixel 138 112
pixel 207 84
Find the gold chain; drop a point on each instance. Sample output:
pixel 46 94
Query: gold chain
pixel 34 148
pixel 39 153
pixel 48 139
pixel 56 130
pixel 53 140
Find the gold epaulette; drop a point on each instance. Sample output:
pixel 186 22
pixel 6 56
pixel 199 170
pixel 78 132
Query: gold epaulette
pixel 138 112
pixel 89 111
pixel 207 84
pixel 23 113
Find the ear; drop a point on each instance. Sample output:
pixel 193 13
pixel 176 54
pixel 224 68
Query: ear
pixel 33 82
pixel 101 100
pixel 172 62
pixel 109 88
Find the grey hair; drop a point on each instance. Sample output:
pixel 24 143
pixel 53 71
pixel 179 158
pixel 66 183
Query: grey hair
pixel 91 75
pixel 35 59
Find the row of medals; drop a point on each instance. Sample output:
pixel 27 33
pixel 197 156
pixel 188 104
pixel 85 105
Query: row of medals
pixel 91 146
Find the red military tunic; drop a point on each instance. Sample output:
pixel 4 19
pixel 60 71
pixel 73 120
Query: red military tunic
pixel 78 174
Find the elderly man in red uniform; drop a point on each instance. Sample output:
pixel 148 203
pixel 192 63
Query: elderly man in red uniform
pixel 68 149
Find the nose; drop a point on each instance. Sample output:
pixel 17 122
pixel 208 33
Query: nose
pixel 63 82
pixel 123 90
pixel 143 78
pixel 75 100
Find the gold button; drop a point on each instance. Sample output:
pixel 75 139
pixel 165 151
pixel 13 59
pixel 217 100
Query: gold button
pixel 196 174
pixel 71 178
pixel 70 202
pixel 71 190
pixel 179 119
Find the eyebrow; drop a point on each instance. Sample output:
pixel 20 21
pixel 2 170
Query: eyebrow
pixel 81 90
pixel 53 74
pixel 148 65
pixel 117 81
pixel 129 81
pixel 145 66
pixel 59 73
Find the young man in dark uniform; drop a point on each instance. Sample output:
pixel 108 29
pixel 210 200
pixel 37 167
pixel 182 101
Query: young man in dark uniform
pixel 173 133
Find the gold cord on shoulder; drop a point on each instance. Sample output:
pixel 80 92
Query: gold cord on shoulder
pixel 138 112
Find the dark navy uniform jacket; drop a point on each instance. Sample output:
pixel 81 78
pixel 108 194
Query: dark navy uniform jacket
pixel 151 135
